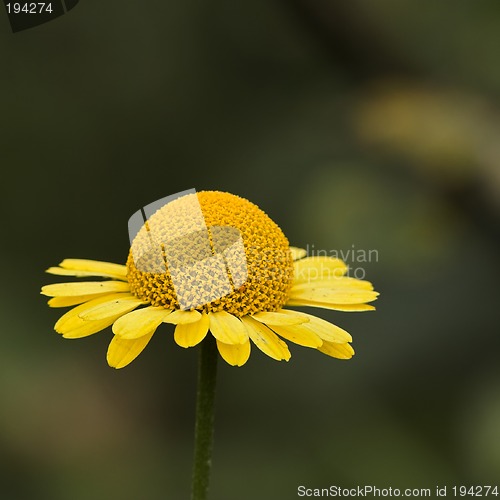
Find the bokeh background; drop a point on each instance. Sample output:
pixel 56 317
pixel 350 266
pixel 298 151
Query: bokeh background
pixel 355 125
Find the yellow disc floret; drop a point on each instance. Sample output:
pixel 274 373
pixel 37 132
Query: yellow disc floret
pixel 211 251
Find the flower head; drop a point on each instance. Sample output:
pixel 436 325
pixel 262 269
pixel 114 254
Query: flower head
pixel 210 262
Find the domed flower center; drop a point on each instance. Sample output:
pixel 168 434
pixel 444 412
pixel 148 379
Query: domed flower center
pixel 211 251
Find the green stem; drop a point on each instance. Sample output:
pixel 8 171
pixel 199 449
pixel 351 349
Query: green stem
pixel 204 425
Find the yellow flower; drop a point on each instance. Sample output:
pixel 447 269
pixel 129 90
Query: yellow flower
pixel 247 304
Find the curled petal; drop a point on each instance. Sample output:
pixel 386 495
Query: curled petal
pixel 234 354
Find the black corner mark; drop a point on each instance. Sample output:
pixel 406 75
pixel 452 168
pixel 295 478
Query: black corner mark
pixel 70 4
pixel 24 15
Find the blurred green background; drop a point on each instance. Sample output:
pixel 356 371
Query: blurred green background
pixel 373 124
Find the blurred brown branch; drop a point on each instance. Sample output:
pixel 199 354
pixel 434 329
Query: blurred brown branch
pixel 348 37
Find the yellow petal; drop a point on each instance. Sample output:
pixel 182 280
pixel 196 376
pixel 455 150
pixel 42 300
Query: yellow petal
pixel 298 253
pixel 234 354
pixel 60 271
pixel 182 317
pixel 266 340
pixel 338 296
pixel 299 334
pixel 335 350
pixel 326 330
pixel 334 283
pixel 72 326
pixel 84 288
pixel 88 328
pixel 121 352
pixel 314 268
pixel 281 318
pixel 92 268
pixel 227 328
pixel 191 334
pixel 116 307
pixel 141 322
pixel 72 301
pixel 334 307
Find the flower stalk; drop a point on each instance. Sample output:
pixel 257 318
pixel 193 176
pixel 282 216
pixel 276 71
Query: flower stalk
pixel 204 424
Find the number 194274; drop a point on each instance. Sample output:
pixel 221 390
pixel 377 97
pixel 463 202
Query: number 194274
pixel 475 491
pixel 28 8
